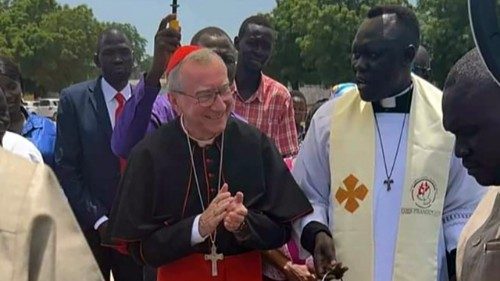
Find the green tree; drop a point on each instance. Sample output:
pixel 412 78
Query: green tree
pixel 64 54
pixel 145 63
pixel 446 32
pixel 315 37
pixel 54 44
pixel 327 45
pixel 287 61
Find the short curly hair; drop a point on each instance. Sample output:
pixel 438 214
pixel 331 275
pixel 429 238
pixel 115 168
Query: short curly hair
pixel 257 20
pixel 405 16
pixel 470 69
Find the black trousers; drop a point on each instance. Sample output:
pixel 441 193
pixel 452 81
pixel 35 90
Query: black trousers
pixel 124 268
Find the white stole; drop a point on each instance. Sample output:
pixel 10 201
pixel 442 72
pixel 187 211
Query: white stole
pixel 352 160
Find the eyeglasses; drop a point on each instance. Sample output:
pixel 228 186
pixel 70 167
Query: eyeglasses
pixel 206 98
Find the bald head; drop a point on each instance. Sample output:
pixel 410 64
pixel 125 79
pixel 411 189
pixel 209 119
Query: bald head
pixel 422 57
pixel 208 31
pixel 218 41
pixel 422 63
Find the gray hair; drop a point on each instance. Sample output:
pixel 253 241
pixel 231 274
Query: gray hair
pixel 201 57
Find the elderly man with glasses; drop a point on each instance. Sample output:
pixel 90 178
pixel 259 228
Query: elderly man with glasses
pixel 203 193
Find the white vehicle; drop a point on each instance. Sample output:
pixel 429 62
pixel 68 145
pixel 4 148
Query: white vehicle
pixel 48 107
pixel 31 106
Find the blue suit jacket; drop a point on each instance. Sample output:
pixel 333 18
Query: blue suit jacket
pixel 85 165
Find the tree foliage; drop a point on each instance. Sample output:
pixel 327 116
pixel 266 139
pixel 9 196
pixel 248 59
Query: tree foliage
pixel 446 32
pixel 315 37
pixel 54 44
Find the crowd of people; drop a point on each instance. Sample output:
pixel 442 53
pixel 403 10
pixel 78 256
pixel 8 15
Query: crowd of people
pixel 225 174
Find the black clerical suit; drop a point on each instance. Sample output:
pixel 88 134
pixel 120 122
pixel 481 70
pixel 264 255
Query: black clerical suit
pixel 158 198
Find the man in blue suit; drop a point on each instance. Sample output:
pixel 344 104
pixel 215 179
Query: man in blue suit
pixel 88 170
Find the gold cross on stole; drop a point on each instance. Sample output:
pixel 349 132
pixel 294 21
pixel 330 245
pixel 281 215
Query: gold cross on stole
pixel 352 193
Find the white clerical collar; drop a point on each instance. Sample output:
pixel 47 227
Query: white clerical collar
pixel 201 143
pixel 391 101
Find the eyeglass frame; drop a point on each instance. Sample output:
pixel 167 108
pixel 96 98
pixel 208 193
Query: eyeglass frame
pixel 212 92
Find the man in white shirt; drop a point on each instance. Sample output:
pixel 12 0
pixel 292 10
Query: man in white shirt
pixel 21 146
pixel 378 168
pixel 88 170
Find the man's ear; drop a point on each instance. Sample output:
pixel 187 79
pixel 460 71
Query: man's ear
pixel 96 60
pixel 174 101
pixel 237 43
pixel 409 54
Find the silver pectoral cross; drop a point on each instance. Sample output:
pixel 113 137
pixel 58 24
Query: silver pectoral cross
pixel 214 257
pixel 388 183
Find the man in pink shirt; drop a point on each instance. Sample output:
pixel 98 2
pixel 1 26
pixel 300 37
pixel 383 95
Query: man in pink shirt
pixel 261 100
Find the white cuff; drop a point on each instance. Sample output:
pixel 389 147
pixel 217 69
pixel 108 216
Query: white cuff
pixel 100 221
pixel 195 233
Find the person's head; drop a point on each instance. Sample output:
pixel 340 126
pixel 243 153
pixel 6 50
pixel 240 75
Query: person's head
pixel 255 42
pixel 11 83
pixel 114 57
pixel 199 91
pixel 383 51
pixel 299 106
pixel 471 106
pixel 422 63
pixel 4 115
pixel 218 41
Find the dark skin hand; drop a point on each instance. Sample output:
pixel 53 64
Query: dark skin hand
pixel 167 40
pixel 325 260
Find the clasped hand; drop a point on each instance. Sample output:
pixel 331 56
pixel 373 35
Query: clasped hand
pixel 224 207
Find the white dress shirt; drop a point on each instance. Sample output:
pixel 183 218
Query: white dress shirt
pixel 109 97
pixel 21 146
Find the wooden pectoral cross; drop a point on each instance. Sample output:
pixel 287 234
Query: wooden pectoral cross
pixel 214 257
pixel 388 183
